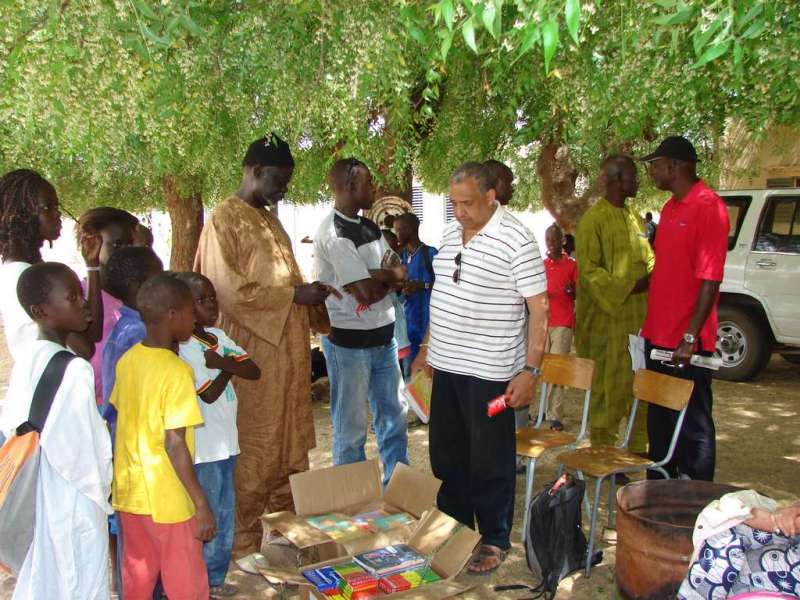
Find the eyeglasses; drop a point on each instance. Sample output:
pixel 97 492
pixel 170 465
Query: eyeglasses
pixel 457 272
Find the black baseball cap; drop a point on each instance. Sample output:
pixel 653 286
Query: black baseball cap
pixel 269 151
pixel 676 147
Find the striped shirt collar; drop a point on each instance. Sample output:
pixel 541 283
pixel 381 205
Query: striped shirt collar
pixel 493 224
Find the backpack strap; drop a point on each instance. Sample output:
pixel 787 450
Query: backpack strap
pixel 45 392
pixel 426 259
pixel 538 591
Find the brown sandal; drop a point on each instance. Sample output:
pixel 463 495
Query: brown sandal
pixel 486 552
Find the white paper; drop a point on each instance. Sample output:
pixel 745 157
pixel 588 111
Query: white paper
pixel 636 349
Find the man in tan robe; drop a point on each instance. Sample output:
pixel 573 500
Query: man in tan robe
pixel 264 306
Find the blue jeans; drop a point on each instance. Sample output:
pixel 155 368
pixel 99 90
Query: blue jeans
pixel 216 479
pixel 358 377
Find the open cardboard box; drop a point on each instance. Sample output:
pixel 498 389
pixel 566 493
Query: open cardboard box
pixel 348 489
pixel 447 543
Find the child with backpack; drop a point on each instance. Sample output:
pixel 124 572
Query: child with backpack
pixel 68 557
pixel 215 359
pixel 164 514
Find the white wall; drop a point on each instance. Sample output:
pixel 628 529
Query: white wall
pixel 300 221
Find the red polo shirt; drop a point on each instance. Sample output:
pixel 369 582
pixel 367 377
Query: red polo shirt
pixel 691 247
pixel 559 273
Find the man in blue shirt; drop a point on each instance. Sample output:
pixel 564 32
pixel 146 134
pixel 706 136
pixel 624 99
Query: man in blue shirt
pixel 418 261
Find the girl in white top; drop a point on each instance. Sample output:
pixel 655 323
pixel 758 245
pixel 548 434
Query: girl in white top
pixel 29 217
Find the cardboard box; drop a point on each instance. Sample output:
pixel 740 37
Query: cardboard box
pixel 448 544
pixel 350 490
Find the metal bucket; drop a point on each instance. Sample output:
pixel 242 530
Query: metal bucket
pixel 655 520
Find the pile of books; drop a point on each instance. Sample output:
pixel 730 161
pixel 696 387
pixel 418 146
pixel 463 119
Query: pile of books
pixel 390 559
pixel 341 527
pixel 383 570
pixel 380 520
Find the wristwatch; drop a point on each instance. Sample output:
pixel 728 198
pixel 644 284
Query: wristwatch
pixel 535 371
pixel 690 338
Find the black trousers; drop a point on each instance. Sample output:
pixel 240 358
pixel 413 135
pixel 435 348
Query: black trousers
pixel 696 450
pixel 474 455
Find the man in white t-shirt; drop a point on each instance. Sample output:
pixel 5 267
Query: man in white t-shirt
pixel 360 351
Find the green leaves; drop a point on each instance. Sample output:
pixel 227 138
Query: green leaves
pixel 712 52
pixel 572 14
pixel 447 11
pixel 468 31
pixel 679 18
pixel 493 18
pixel 549 42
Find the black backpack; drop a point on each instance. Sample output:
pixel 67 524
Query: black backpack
pixel 555 544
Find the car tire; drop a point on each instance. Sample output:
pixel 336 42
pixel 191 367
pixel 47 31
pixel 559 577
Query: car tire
pixel 741 343
pixel 792 358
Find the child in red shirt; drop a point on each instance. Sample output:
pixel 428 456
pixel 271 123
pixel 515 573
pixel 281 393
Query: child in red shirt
pixel 562 275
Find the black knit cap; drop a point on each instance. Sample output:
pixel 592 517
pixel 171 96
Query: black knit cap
pixel 269 151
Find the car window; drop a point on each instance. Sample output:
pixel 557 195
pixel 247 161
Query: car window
pixel 779 230
pixel 737 209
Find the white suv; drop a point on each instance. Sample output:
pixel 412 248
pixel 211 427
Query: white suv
pixel 759 308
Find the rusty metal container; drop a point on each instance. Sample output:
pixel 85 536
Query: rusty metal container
pixel 655 520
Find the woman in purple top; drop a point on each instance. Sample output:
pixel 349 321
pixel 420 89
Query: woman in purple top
pixel 116 227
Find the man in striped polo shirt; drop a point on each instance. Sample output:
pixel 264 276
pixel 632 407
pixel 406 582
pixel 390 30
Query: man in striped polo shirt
pixel 481 344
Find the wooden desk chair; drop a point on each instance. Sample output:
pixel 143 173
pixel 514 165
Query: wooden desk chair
pixel 532 442
pixel 604 462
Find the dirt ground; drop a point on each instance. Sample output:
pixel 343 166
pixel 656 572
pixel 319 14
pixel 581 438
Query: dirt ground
pixel 758 447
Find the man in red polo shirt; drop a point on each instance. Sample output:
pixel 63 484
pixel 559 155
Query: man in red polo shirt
pixel 691 247
pixel 562 276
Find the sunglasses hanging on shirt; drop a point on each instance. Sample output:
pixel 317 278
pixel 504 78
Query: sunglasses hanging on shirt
pixel 457 272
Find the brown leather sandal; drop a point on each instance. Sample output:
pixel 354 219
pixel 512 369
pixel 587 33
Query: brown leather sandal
pixel 486 554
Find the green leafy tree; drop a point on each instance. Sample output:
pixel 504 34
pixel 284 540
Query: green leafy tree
pixel 148 105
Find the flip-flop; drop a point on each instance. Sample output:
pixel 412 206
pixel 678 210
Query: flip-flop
pixel 484 552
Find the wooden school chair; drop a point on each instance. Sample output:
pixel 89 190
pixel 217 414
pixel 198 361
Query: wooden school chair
pixel 532 442
pixel 604 462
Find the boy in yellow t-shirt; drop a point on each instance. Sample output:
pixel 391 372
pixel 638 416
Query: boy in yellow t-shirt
pixel 163 511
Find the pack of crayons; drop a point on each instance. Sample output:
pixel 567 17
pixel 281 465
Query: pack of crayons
pixel 325 579
pixel 350 581
pixel 359 586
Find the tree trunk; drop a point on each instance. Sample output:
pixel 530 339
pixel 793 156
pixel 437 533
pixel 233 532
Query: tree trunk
pixel 557 179
pixel 401 191
pixel 186 218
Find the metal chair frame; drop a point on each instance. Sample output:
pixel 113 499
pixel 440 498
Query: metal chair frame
pixel 653 465
pixel 543 395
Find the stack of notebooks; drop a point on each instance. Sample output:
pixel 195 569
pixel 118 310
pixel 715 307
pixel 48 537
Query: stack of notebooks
pixel 380 520
pixel 341 527
pixel 390 559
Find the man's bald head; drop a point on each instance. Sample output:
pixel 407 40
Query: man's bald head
pixel 619 178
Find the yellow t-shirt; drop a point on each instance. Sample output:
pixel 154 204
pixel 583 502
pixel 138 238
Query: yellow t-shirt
pixel 154 391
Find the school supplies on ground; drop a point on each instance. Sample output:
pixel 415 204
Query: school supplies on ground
pixel 444 544
pixel 390 559
pixel 328 504
pixel 381 520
